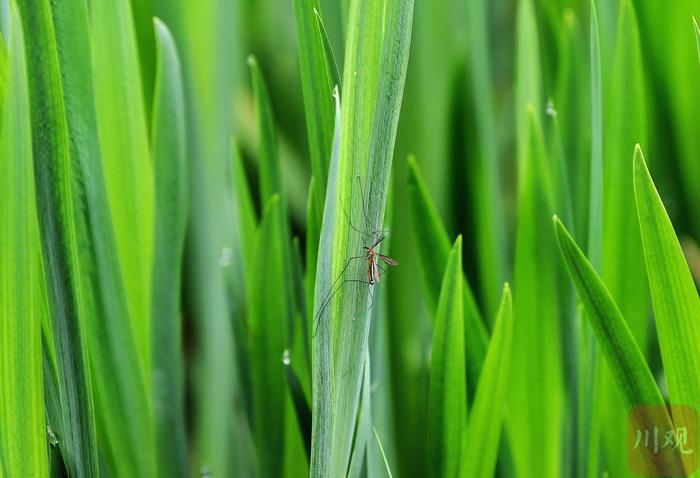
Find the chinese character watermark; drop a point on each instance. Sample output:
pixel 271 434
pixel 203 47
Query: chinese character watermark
pixel 662 440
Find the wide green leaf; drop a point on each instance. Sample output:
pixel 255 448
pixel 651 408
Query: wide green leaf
pixel 480 448
pixel 23 444
pixel 169 163
pixel 375 70
pixel 448 388
pixel 674 296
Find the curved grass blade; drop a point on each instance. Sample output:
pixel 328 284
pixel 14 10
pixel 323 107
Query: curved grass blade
pixel 246 221
pixel 317 84
pixel 433 253
pixel 628 369
pixel 626 362
pixel 448 388
pixel 128 170
pixel 169 162
pixel 697 34
pixel 22 295
pixel 301 405
pixel 595 219
pixel 331 64
pixel 269 167
pixel 674 296
pixel 537 393
pixel 3 77
pixel 381 450
pixel 267 315
pixel 480 449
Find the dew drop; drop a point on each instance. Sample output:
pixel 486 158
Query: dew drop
pixel 225 258
pixel 550 111
pixel 286 357
pixel 53 438
pixel 204 472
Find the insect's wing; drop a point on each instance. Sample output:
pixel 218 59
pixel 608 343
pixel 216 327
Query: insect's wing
pixel 375 272
pixel 388 260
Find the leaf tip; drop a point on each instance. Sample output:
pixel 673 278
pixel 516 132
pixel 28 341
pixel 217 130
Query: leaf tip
pixel 251 61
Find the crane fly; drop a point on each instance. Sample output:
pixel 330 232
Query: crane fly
pixel 373 257
pixel 373 266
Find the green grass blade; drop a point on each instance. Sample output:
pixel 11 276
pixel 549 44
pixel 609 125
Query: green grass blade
pixel 589 379
pixel 625 360
pixel 623 271
pixel 22 296
pixel 267 340
pixel 269 166
pixel 595 219
pixel 331 64
pixel 322 361
pixel 314 216
pixel 169 163
pixel 433 254
pixel 244 213
pixel 381 449
pixel 528 75
pixel 302 409
pixel 480 451
pixel 486 182
pixel 123 138
pixel 448 389
pixel 674 296
pixel 622 266
pixel 317 85
pixel 697 34
pixel 3 77
pixel 536 398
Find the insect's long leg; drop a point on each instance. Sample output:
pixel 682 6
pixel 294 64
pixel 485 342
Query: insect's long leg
pixel 345 281
pixel 333 290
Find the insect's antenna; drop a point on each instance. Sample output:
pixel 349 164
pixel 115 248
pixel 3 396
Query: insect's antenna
pixel 351 224
pixel 375 231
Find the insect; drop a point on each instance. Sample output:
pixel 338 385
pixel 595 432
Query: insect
pixel 374 259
